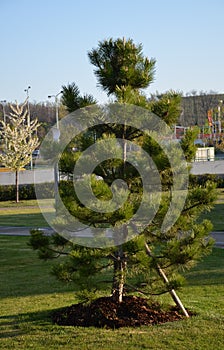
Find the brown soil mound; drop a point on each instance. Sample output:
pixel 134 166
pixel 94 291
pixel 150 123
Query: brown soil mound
pixel 104 312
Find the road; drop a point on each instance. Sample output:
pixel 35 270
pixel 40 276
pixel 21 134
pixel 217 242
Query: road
pixel 47 175
pixel 200 168
pixel 25 231
pixel 27 176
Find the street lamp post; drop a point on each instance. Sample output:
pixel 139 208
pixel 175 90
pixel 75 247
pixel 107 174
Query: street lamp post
pixel 28 105
pixel 219 116
pixel 28 119
pixel 56 107
pixel 56 136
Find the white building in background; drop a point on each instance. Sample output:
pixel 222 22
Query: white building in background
pixel 204 154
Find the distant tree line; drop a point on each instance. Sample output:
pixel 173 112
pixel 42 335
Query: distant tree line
pixel 195 106
pixel 43 111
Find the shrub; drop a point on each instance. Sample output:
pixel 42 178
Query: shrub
pixel 8 192
pixel 202 179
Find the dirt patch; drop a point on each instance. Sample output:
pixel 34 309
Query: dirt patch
pixel 104 312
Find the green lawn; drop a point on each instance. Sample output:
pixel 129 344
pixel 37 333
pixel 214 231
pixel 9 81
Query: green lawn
pixel 216 215
pixel 28 294
pixel 25 213
pixel 16 214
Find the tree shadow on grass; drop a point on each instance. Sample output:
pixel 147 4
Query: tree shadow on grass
pixel 23 220
pixel 209 271
pixel 101 313
pixel 13 325
pixel 9 327
pixel 205 278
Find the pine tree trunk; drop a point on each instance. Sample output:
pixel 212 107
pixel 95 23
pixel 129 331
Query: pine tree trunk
pixel 17 186
pixel 119 275
pixel 120 261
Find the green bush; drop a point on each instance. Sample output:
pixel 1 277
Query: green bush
pixel 202 179
pixel 8 192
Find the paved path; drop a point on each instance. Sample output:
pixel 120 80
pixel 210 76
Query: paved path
pixel 20 231
pixel 39 175
pixel 27 176
pixel 216 167
pixel 25 231
pixel 219 239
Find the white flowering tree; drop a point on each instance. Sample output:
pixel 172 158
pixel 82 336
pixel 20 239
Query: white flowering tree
pixel 20 139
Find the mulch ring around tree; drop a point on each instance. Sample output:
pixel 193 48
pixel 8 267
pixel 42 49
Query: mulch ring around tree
pixel 104 312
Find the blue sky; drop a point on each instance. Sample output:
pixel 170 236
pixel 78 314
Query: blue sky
pixel 44 43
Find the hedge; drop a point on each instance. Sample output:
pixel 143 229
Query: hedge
pixel 202 179
pixel 8 192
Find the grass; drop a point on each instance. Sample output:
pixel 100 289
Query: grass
pixel 25 213
pixel 28 294
pixel 216 215
pixel 28 214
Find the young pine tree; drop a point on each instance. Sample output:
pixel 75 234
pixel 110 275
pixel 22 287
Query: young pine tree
pixel 150 262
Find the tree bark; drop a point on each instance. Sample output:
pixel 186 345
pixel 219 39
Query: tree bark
pixel 120 259
pixel 166 281
pixel 17 186
pixel 120 264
